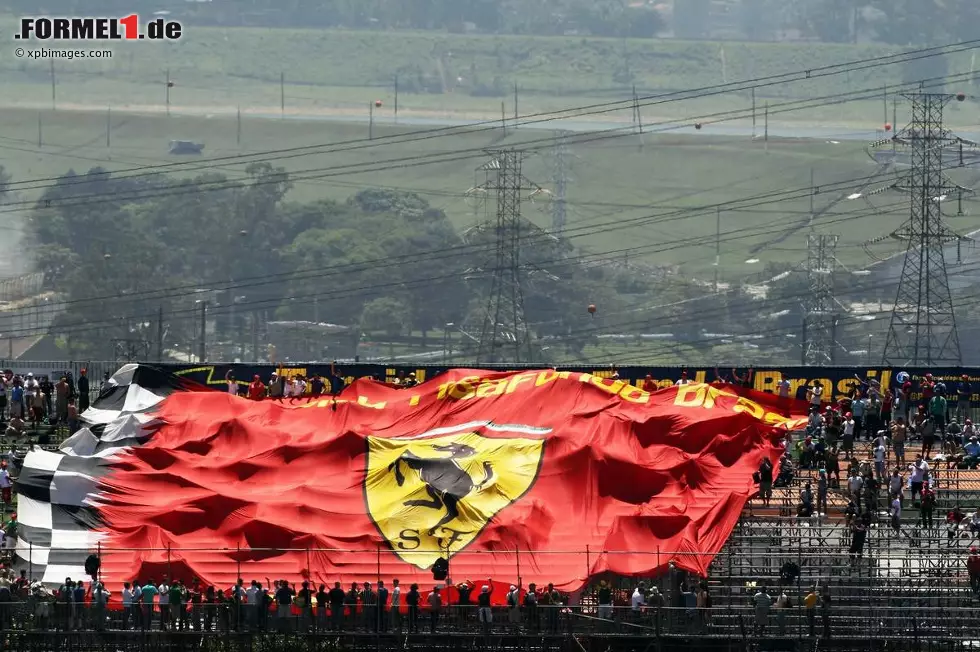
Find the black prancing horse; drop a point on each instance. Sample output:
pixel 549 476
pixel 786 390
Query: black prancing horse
pixel 445 480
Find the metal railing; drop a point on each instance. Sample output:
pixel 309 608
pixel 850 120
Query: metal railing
pixel 758 618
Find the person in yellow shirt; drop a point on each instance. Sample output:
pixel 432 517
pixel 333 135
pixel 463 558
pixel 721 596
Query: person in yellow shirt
pixel 810 602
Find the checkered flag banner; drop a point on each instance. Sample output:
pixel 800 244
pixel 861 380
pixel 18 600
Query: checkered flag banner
pixel 58 492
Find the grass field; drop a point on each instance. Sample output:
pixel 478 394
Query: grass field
pixel 654 204
pixel 335 70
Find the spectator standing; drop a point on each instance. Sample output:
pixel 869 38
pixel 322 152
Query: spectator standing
pixel 484 611
pixel 412 599
pixel 815 394
pixel 937 411
pixel 337 597
pixel 435 608
pixel 47 388
pixel 396 604
pixel 256 389
pixel 973 569
pixel 810 604
pixel 762 602
pixel 765 481
pixel 919 469
pixel 899 432
pixel 72 417
pixel 964 395
pixel 100 601
pixel 83 390
pixel 896 514
pixel 859 406
pixel 61 401
pixel 927 505
pixel 284 601
pixel 822 488
pixel 382 606
pixel 605 601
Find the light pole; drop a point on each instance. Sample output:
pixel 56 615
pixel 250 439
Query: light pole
pixel 869 348
pixel 445 342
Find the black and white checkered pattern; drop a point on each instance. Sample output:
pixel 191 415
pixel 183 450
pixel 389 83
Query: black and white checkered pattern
pixel 59 524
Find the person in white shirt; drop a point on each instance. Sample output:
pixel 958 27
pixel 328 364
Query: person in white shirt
pixel 683 380
pixel 232 384
pixel 252 600
pixel 127 603
pixel 919 469
pixel 6 487
pixel 854 486
pixel 639 599
pixel 783 387
pixel 816 393
pixel 164 602
pixel 880 460
pixel 396 603
pixel 100 598
pixel 896 514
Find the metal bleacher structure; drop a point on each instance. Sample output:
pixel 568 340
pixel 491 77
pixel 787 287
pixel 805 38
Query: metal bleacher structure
pixel 911 585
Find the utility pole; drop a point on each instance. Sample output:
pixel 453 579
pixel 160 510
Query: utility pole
pixel 238 127
pixel 767 127
pixel 282 94
pixel 503 117
pixel 515 105
pixel 370 120
pixel 160 334
pixel 504 336
pixel 203 354
pixel 40 133
pixel 396 98
pixel 54 85
pixel 637 117
pixel 923 324
pixel 255 336
pixel 753 113
pixel 169 85
pixel 717 245
pixel 108 127
pixel 819 314
pixel 561 182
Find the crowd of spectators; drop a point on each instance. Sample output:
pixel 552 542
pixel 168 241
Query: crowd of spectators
pixel 28 402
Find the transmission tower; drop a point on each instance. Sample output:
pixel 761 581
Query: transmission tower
pixel 560 181
pixel 923 325
pixel 504 336
pixel 819 309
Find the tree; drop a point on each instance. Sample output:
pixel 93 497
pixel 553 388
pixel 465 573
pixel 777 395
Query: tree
pixel 385 314
pixel 832 21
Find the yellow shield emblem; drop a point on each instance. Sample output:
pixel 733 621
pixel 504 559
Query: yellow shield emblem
pixel 431 496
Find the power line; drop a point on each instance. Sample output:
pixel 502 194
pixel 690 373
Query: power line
pixel 552 116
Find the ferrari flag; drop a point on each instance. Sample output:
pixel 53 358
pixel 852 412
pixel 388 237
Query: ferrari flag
pixel 543 476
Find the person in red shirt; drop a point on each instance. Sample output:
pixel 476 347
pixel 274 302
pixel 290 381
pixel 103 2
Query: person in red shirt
pixel 973 568
pixel 928 390
pixel 649 384
pixel 256 389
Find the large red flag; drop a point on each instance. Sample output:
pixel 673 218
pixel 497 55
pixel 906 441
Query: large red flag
pixel 546 476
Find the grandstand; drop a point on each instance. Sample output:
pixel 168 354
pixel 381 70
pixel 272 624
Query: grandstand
pixel 908 589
